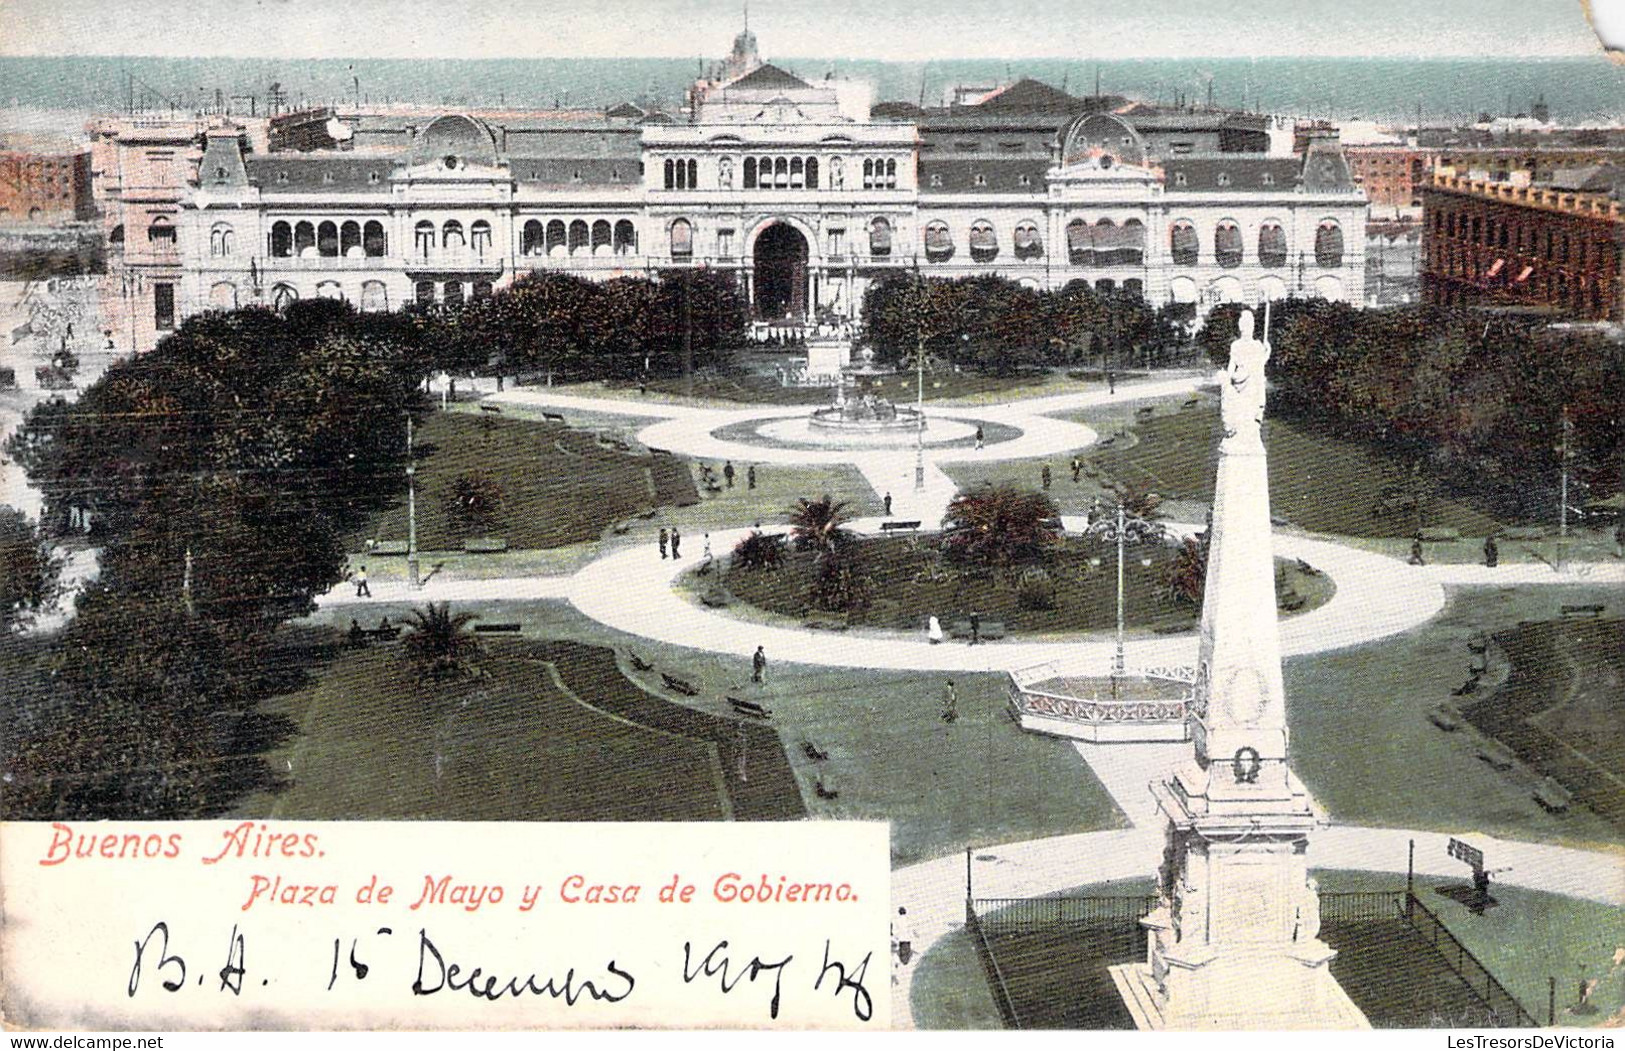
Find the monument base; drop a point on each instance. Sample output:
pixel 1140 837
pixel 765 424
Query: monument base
pixel 1238 991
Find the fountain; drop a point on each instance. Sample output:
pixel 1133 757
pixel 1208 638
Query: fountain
pixel 865 414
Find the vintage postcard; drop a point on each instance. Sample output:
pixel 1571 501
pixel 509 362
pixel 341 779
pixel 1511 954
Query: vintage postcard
pixel 693 514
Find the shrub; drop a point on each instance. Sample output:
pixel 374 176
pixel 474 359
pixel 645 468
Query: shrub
pixel 840 585
pixel 475 502
pixel 758 551
pixel 1000 526
pixel 1035 589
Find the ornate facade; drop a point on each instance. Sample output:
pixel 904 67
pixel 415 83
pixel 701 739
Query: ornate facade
pixel 803 190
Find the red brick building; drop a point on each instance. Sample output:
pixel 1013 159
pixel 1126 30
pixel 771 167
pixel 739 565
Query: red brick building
pixel 1393 175
pixel 44 187
pixel 1555 245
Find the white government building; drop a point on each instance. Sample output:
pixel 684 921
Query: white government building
pixel 806 191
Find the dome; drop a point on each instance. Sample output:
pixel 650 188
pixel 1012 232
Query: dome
pixel 1102 135
pixel 455 140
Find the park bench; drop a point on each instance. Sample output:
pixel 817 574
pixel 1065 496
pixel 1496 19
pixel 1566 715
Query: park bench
pixel 1590 609
pixel 507 627
pixel 827 622
pixel 1171 628
pixel 1307 570
pixel 639 663
pixel 750 708
pixel 824 786
pixel 1104 442
pixel 1552 797
pixel 1468 687
pixel 813 752
pixel 1191 403
pixel 1292 602
pixel 484 546
pixel 1440 534
pixel 556 417
pixel 676 685
pixel 388 547
pixel 1445 717
pixel 658 452
pixel 1525 533
pixel 991 629
pixel 892 527
pixel 1145 411
pixel 382 633
pixel 1498 755
pixel 495 410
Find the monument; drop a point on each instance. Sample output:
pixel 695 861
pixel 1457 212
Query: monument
pixel 865 413
pixel 1234 942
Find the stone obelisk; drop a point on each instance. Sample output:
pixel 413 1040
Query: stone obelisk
pixel 1234 942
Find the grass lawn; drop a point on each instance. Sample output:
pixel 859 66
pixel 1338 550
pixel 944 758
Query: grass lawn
pixel 777 489
pixel 374 744
pixel 1528 937
pixel 911 581
pixel 559 486
pixel 1317 482
pixel 1362 741
pixel 940 385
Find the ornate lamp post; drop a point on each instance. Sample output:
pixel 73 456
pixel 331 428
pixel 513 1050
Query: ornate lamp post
pixel 1116 530
pixel 411 509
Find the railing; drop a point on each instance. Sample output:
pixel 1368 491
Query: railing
pixel 1476 976
pixel 1355 906
pixel 1005 915
pixel 990 963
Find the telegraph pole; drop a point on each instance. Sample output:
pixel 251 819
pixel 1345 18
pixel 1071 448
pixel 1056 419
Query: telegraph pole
pixel 411 509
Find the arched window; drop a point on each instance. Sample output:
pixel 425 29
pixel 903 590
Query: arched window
pixel 555 236
pixel 868 173
pixel 327 239
pixel 750 173
pixel 350 239
pixel 281 296
pixel 1227 243
pixel 626 237
pixel 281 240
pixel 220 238
pixel 578 235
pixel 939 243
pixel 1080 243
pixel 329 290
pixel 1106 243
pixel 682 239
pixel 479 237
pixel 671 175
pixel 425 293
pixel 781 173
pixel 693 175
pixel 1183 243
pixel 1029 243
pixel 373 240
pixel 891 175
pixel 880 238
pixel 1271 244
pixel 423 238
pixel 530 242
pixel 117 236
pixel 223 296
pixel 984 243
pixel 161 232
pixel 453 294
pixel 1132 236
pixel 601 235
pixel 798 173
pixel 451 236
pixel 812 173
pixel 1329 245
pixel 374 296
pixel 1134 287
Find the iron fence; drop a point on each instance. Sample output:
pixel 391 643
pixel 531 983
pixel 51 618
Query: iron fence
pixel 1506 1007
pixel 1005 915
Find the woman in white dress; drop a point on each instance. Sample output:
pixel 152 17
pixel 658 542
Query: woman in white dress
pixel 933 630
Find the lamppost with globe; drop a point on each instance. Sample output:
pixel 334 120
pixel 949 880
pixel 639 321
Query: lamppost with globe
pixel 1121 529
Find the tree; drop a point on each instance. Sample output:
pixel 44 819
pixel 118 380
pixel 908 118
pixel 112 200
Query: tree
pixel 817 525
pixel 1000 526
pixel 439 645
pixel 758 551
pixel 1186 576
pixel 29 574
pixel 475 502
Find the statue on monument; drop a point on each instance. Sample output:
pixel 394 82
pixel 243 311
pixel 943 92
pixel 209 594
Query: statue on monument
pixel 1242 400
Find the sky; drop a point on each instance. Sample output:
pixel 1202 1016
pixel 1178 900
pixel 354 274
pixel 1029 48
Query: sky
pixel 892 30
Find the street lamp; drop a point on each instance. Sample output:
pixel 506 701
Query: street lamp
pixel 1116 529
pixel 411 509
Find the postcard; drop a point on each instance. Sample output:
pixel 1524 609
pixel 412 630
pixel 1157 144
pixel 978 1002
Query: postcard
pixel 684 514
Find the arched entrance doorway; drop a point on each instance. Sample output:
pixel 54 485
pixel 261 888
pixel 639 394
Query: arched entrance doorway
pixel 781 272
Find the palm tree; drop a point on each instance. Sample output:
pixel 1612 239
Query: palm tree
pixel 1000 525
pixel 439 646
pixel 816 525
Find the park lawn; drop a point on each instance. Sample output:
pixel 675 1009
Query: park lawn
pixel 374 744
pixel 911 582
pixel 559 486
pixel 778 487
pixel 1362 742
pixel 901 387
pixel 1072 498
pixel 1317 482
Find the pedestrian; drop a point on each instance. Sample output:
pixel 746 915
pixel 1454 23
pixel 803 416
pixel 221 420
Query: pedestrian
pixel 1111 381
pixel 728 473
pixel 758 666
pixel 664 539
pixel 676 543
pixel 1077 467
pixel 950 704
pixel 750 477
pixel 1416 551
pixel 1619 536
pixel 979 438
pixel 903 937
pixel 361 588
pixel 1492 552
pixel 975 627
pixel 705 549
pixel 886 502
pixel 1044 476
pixel 933 629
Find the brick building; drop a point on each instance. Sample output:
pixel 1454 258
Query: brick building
pixel 1393 176
pixel 1557 244
pixel 44 188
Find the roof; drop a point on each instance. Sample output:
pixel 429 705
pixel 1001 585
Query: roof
pixel 575 171
pixel 768 77
pixel 1030 96
pixel 319 173
pixel 1229 173
pixel 1595 178
pixel 999 174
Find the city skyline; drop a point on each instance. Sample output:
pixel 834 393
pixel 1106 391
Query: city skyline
pixel 1110 29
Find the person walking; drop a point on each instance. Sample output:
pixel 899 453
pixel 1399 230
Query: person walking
pixel 975 627
pixel 1111 381
pixel 676 543
pixel 758 666
pixel 705 547
pixel 361 588
pixel 728 473
pixel 663 540
pixel 1492 552
pixel 950 704
pixel 979 438
pixel 886 503
pixel 1416 551
pixel 750 477
pixel 933 629
pixel 1077 467
pixel 1044 476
